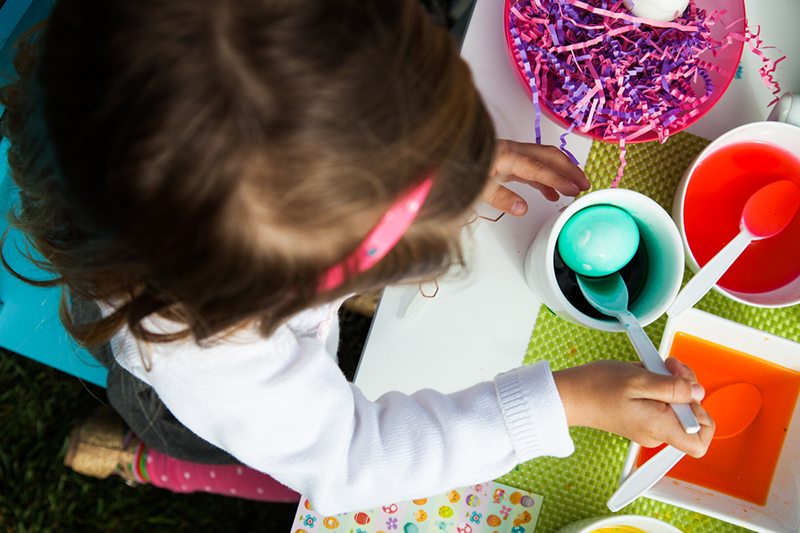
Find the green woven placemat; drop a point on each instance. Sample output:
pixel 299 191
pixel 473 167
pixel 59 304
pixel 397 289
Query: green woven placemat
pixel 579 486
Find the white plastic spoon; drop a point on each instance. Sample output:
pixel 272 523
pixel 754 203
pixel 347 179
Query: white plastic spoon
pixel 767 212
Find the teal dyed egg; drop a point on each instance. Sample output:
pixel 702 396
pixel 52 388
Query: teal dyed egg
pixel 598 240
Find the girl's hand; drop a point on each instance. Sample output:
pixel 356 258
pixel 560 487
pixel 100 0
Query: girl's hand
pixel 545 168
pixel 626 399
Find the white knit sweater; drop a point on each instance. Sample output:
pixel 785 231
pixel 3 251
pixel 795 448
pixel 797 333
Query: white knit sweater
pixel 282 406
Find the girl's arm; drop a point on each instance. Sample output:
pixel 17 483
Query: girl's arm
pixel 282 406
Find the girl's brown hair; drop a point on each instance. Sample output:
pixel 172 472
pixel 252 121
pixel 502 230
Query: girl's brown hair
pixel 207 161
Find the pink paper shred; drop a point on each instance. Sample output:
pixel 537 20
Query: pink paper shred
pixel 615 76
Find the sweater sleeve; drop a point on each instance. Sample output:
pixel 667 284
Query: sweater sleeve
pixel 284 408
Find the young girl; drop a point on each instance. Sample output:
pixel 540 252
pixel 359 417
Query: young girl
pixel 218 175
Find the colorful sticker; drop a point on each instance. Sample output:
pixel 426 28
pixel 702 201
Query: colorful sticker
pixel 481 508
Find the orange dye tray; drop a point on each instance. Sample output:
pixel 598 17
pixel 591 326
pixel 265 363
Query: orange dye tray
pixel 741 466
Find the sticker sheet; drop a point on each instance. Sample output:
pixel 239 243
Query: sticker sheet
pixel 486 507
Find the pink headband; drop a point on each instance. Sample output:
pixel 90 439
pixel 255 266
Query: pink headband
pixel 383 237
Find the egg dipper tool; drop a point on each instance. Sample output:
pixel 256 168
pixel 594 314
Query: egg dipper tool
pixel 766 213
pixel 733 408
pixel 595 243
pixel 609 295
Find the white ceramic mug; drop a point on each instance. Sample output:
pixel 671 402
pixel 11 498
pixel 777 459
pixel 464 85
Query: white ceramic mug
pixel 787 109
pixel 780 134
pixel 663 275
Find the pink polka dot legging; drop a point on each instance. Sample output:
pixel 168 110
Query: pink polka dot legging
pixel 230 480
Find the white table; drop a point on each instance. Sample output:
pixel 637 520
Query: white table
pixel 480 325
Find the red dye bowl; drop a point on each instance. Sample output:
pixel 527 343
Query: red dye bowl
pixel 727 61
pixel 708 208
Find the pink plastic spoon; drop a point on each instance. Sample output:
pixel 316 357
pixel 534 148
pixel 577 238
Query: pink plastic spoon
pixel 767 212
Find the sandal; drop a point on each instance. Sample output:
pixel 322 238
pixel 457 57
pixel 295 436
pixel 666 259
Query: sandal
pixel 102 446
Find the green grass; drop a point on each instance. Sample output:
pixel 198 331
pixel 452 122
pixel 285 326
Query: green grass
pixel 38 407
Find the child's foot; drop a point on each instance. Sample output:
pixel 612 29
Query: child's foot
pixel 101 446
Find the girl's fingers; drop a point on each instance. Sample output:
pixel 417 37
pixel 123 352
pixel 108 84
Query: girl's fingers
pixel 557 160
pixel 548 192
pixel 547 165
pixel 679 369
pixel 694 445
pixel 669 389
pixel 505 200
pixel 512 203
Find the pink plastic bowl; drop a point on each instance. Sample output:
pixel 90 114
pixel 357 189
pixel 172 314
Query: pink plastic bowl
pixel 727 60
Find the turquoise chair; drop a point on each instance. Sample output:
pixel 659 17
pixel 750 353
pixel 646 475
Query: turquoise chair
pixel 29 323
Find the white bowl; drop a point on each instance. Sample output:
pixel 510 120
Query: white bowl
pixel 782 510
pixel 785 136
pixel 658 233
pixel 645 523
